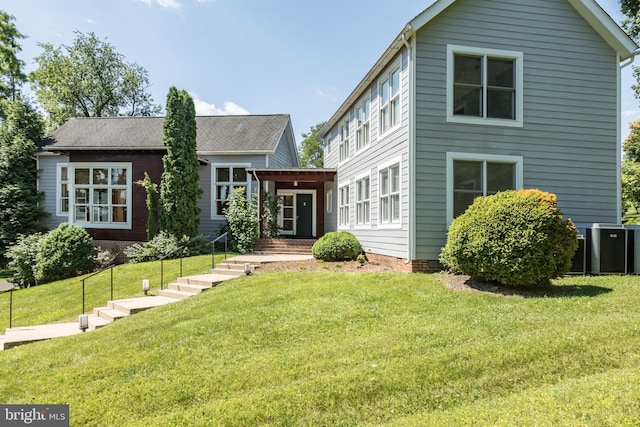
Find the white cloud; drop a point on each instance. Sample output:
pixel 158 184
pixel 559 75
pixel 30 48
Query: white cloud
pixel 167 4
pixel 323 94
pixel 203 108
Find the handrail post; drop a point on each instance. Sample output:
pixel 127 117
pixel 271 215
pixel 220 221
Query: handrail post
pixel 83 296
pixel 11 308
pixel 181 257
pixel 213 255
pixel 225 247
pixel 111 283
pixel 161 273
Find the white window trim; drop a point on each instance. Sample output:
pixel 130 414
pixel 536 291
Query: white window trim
pixel 346 123
pixel 387 76
pixel 59 182
pixel 452 50
pixel 339 205
pixel 357 179
pixel 214 215
pixel 518 161
pixel 72 190
pixel 382 166
pixel 359 125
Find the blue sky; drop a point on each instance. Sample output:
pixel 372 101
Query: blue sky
pixel 244 56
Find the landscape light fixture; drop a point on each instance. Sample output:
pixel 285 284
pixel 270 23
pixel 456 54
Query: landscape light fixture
pixel 247 268
pixel 145 286
pixel 83 322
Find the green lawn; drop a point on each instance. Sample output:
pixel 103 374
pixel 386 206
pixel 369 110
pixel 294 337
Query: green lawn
pixel 329 348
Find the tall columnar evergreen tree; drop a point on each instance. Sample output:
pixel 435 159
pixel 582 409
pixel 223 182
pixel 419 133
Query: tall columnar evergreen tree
pixel 20 212
pixel 179 187
pixel 11 75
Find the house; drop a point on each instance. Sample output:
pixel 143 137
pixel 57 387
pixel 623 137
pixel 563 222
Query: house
pixel 89 168
pixel 471 98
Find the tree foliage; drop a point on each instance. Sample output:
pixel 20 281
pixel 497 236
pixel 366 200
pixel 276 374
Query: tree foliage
pixel 179 187
pixel 90 79
pixel 631 22
pixel 242 219
pixel 20 212
pixel 11 75
pixel 631 174
pixel 311 151
pixel 151 188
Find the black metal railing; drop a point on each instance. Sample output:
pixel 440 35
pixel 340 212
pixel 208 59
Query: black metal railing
pixel 10 290
pixel 170 254
pixel 95 274
pixel 213 248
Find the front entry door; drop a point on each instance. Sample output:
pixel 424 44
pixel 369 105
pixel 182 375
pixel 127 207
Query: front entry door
pixel 304 214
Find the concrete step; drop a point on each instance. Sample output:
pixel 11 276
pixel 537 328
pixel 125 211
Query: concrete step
pixel 210 279
pixel 231 265
pixel 109 313
pixel 188 287
pixel 1 342
pixel 97 322
pixel 173 293
pixel 227 272
pixel 135 305
pixel 26 334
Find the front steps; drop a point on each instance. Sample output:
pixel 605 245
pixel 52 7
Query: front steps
pixel 284 246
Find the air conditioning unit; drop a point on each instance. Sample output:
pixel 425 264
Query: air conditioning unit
pixel 579 261
pixel 609 243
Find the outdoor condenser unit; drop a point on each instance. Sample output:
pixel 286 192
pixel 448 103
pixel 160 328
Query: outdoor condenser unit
pixel 608 249
pixel 579 262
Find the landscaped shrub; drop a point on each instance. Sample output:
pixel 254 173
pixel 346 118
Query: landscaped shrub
pixel 512 237
pixel 22 258
pixel 337 246
pixel 64 252
pixel 165 244
pixel 243 221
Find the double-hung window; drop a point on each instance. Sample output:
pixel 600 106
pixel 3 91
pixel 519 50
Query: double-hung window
pixel 363 202
pixel 472 175
pixel 389 189
pixel 363 134
pixel 101 194
pixel 389 116
pixel 484 86
pixel 226 178
pixel 344 140
pixel 63 189
pixel 343 206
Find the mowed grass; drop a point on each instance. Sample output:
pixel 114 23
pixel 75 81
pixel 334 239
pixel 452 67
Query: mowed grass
pixel 327 348
pixel 62 301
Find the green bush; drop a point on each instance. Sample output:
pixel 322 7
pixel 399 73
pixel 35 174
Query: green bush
pixel 22 258
pixel 512 237
pixel 337 246
pixel 65 252
pixel 243 221
pixel 165 244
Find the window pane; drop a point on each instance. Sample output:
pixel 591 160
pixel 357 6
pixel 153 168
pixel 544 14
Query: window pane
pixel 64 205
pixel 384 209
pixel 222 175
pixel 288 201
pixel 468 69
pixel 500 104
pixel 64 190
pixel 119 214
pixel 100 214
pixel 239 175
pixel 395 112
pixel 467 175
pixel 82 213
pixel 384 182
pixel 222 191
pixel 81 176
pixel 462 200
pixel 100 196
pixel 500 177
pixel 64 173
pixel 395 83
pixel 395 179
pixel 82 195
pixel 395 204
pixel 467 101
pixel 500 72
pixel 384 92
pixel 119 176
pixel 100 176
pixel 119 197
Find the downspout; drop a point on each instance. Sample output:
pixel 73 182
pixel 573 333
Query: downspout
pixel 406 35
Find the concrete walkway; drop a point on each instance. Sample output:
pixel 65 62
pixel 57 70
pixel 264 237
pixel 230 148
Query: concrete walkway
pixel 184 287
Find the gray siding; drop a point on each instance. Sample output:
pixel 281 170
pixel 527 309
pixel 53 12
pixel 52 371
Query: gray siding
pixel 569 137
pixel 285 155
pixel 391 240
pixel 209 226
pixel 47 181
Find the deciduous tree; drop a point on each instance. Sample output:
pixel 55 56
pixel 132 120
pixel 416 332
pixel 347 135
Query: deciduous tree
pixel 311 151
pixel 90 79
pixel 11 75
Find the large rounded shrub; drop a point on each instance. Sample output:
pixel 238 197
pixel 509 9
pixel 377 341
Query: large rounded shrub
pixel 337 246
pixel 512 237
pixel 64 252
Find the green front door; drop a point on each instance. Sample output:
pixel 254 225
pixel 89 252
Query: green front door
pixel 304 213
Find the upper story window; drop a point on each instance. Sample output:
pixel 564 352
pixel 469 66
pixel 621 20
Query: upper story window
pixel 390 101
pixel 477 175
pixel 363 132
pixel 343 206
pixel 389 183
pixel 344 140
pixel 101 194
pixel 484 86
pixel 226 178
pixel 363 201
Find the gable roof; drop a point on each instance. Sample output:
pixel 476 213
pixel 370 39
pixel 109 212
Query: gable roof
pixel 216 134
pixel 590 10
